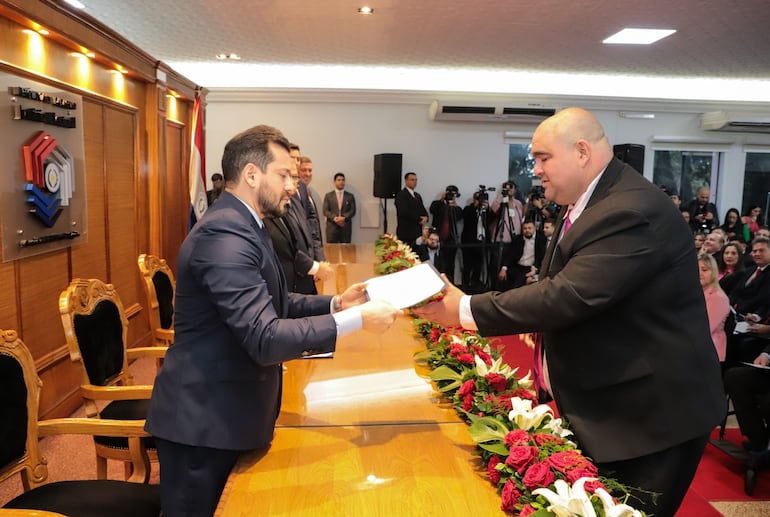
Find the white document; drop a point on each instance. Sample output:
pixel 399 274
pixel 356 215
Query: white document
pixel 406 287
pixel 756 366
pixel 741 327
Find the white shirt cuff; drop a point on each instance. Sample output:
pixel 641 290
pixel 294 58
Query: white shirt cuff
pixel 466 316
pixel 348 321
pixel 314 269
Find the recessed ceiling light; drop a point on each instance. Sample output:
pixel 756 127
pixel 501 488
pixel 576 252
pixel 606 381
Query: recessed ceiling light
pixel 366 10
pixel 75 4
pixel 234 57
pixel 638 36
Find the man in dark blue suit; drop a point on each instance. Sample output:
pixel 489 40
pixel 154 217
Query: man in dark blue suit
pixel 218 393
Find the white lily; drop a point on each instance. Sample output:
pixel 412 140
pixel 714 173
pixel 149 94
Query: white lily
pixel 568 501
pixel 523 416
pixel 497 366
pixel 526 381
pixel 554 425
pixel 613 509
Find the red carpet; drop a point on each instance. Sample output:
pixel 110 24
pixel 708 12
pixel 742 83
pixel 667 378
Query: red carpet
pixel 719 476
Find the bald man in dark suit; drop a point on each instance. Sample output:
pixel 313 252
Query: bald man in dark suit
pixel 628 356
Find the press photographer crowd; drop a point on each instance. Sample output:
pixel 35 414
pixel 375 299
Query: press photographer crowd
pixel 501 233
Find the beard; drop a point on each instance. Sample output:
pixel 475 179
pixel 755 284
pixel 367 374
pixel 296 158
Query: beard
pixel 269 204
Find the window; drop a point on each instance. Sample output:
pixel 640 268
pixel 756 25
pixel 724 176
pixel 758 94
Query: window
pixel 521 168
pixel 756 183
pixel 685 171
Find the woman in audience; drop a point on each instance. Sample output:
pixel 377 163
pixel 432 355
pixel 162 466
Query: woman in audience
pixel 751 222
pixel 698 238
pixel 717 304
pixel 733 226
pixel 732 259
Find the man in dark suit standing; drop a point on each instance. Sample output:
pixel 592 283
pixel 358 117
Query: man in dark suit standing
pixel 339 208
pixel 293 244
pixel 308 197
pixel 628 356
pixel 218 392
pixel 411 215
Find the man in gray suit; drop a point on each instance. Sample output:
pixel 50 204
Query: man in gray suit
pixel 339 209
pixel 628 356
pixel 218 392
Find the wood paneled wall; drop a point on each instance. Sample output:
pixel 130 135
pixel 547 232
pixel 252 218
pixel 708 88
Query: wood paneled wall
pixel 123 138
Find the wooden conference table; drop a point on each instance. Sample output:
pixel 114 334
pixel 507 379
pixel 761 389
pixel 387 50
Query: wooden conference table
pixel 362 433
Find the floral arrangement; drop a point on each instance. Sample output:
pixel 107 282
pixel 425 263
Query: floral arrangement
pixel 525 449
pixel 393 255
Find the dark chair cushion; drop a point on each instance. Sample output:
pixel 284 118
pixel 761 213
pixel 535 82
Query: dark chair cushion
pixel 13 410
pixel 96 498
pixel 100 337
pixel 124 410
pixel 165 293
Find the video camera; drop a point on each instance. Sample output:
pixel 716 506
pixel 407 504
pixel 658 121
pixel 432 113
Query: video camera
pixel 451 193
pixel 482 193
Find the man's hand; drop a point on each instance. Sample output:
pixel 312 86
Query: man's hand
pixel 762 360
pixel 339 221
pixel 423 219
pixel 446 311
pixel 354 295
pixel 325 271
pixel 502 274
pixel 378 315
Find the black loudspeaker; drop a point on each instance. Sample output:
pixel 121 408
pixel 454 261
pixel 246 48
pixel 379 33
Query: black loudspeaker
pixel 632 154
pixel 387 175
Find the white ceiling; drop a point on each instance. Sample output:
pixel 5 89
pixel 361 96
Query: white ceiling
pixel 496 45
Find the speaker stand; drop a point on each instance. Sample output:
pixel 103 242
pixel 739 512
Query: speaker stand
pixel 385 214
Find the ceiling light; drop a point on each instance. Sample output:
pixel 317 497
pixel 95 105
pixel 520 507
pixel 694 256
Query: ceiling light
pixel 635 114
pixel 366 10
pixel 638 36
pixel 234 57
pixel 75 4
pixel 43 32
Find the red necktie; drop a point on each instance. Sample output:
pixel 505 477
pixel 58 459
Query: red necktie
pixel 567 223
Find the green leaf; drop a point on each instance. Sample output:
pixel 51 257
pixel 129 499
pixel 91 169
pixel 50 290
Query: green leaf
pixel 444 373
pixel 496 448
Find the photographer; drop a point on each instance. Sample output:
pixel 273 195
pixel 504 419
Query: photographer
pixel 538 209
pixel 475 238
pixel 445 214
pixel 505 223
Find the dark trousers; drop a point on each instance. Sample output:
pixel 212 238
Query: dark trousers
pixel 667 473
pixel 749 389
pixel 192 478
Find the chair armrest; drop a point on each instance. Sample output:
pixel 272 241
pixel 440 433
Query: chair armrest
pixel 92 392
pixel 165 334
pixel 91 426
pixel 146 351
pixel 131 429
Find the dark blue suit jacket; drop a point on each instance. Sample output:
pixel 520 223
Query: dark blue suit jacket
pixel 234 322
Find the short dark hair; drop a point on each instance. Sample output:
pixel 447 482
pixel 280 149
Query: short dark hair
pixel 293 146
pixel 251 146
pixel 410 174
pixel 216 176
pixel 338 175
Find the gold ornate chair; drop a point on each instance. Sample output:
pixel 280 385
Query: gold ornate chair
pixel 159 287
pixel 96 329
pixel 19 453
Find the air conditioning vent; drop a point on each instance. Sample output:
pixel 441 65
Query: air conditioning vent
pixel 528 115
pixel 726 121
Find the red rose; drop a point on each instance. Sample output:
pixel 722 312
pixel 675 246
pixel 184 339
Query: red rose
pixel 465 358
pixel 591 486
pixel 527 510
pixel 456 350
pixel 484 356
pixel 494 474
pixel 498 382
pixel 468 402
pixel 524 394
pixel 516 438
pixel 521 457
pixel 510 496
pixel 466 388
pixel 584 471
pixel 435 334
pixel 567 460
pixel 538 475
pixel 547 439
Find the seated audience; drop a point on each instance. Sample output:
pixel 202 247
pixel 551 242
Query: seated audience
pixel 717 304
pixel 733 226
pixel 698 238
pixel 429 249
pixel 749 390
